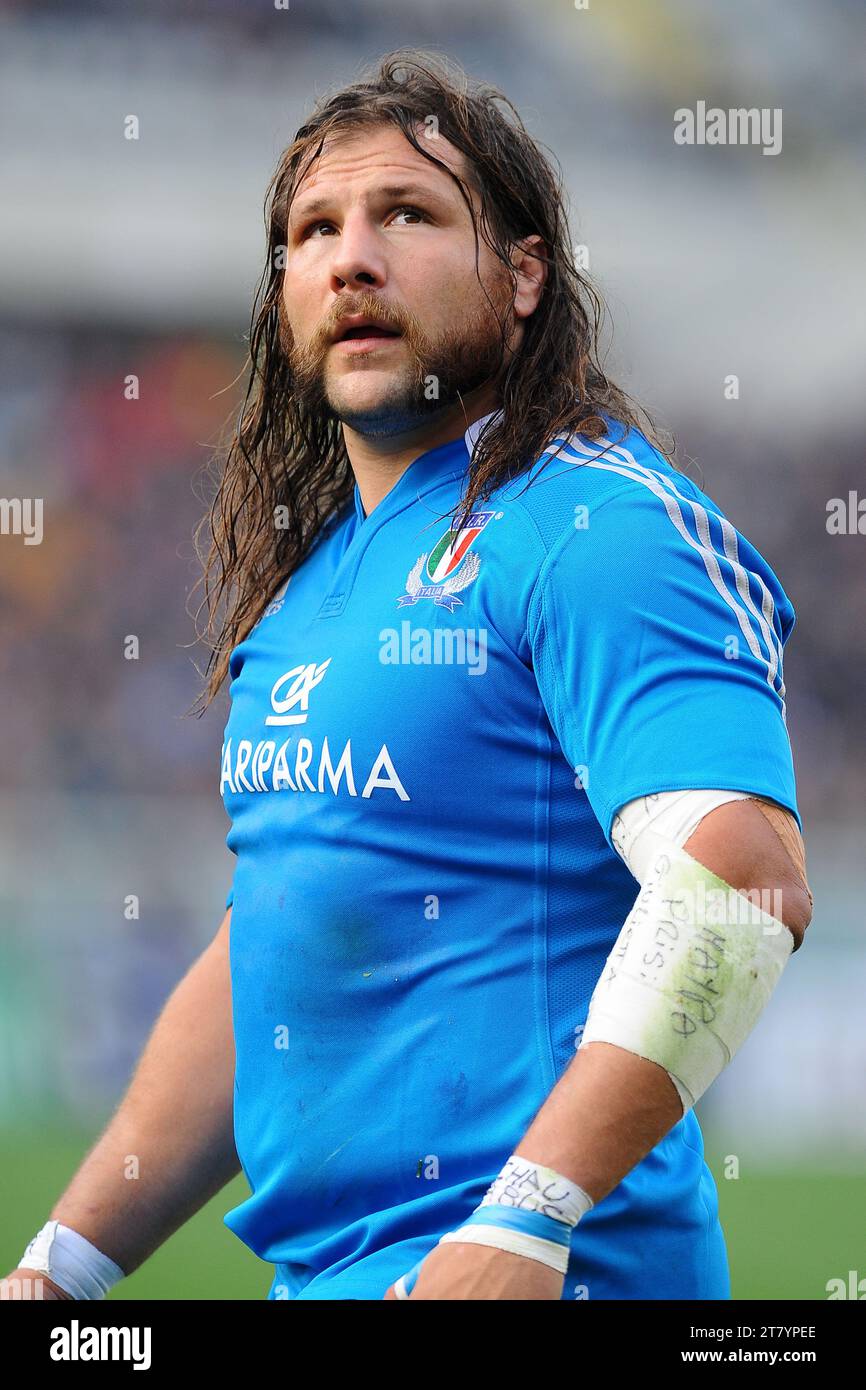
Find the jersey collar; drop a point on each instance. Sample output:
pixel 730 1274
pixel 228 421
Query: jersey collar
pixel 428 470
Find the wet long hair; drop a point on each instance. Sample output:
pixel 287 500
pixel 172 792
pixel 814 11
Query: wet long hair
pixel 288 455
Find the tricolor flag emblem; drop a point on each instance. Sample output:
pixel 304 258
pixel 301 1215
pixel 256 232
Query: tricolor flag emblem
pixel 451 566
pixel 450 551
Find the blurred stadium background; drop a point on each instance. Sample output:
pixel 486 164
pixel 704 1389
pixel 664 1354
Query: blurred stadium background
pixel 140 257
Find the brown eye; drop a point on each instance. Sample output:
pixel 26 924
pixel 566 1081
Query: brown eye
pixel 416 212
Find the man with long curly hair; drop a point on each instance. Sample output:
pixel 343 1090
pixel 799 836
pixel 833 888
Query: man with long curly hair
pixel 512 798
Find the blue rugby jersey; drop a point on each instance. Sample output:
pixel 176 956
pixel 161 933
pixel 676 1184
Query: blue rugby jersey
pixel 429 737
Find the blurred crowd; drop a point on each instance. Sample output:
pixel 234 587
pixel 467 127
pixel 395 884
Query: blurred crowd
pixel 118 478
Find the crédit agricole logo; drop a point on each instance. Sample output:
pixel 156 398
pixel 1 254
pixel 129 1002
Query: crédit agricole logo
pixel 300 764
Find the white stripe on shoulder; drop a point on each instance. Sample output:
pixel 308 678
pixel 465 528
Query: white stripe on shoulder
pixel 764 619
pixel 673 499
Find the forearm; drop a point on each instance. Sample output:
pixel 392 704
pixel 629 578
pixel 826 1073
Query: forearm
pixel 170 1146
pixel 605 1114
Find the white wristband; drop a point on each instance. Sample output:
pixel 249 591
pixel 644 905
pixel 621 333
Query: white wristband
pixel 531 1187
pixel 528 1210
pixel 71 1262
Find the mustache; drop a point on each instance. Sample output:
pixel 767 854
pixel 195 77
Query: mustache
pixel 394 316
pixel 391 317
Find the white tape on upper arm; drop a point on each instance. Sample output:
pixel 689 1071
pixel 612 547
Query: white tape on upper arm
pixel 650 823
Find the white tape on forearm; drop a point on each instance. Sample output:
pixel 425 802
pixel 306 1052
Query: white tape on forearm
pixel 71 1261
pixel 690 972
pixel 529 1186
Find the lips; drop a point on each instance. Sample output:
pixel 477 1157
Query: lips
pixel 363 328
pixel 373 330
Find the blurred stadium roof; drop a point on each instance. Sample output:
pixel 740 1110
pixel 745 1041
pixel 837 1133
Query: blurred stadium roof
pixel 713 260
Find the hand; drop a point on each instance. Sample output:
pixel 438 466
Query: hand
pixel 460 1270
pixel 23 1285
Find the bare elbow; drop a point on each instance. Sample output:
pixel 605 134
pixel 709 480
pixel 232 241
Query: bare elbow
pixel 796 911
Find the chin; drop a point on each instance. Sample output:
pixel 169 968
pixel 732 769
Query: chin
pixel 380 412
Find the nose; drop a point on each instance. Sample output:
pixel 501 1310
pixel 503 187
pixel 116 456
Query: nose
pixel 358 261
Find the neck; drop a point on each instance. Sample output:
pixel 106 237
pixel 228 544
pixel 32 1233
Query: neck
pixel 378 463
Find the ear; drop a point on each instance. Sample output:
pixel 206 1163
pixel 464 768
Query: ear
pixel 531 274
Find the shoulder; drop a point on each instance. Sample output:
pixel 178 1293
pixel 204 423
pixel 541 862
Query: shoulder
pixel 613 517
pixel 621 475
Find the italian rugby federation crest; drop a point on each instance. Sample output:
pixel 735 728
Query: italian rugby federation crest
pixel 451 566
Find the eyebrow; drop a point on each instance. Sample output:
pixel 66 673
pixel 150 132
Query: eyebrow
pixel 393 190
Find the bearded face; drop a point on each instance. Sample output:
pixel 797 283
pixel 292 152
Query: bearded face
pixel 385 318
